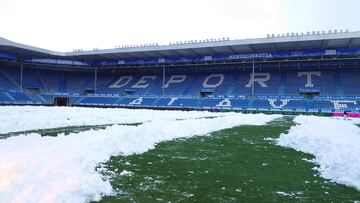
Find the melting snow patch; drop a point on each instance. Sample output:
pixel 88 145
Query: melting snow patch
pixel 334 143
pixel 126 173
pixel 292 194
pixel 283 193
pixel 63 168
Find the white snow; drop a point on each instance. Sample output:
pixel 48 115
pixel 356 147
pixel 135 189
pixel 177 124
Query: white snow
pixel 23 118
pixel 126 173
pixel 351 120
pixel 334 143
pixel 291 194
pixel 62 169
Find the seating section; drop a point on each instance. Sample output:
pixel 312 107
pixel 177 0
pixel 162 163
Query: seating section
pixel 4 98
pixel 235 104
pixel 328 83
pixel 339 89
pixel 99 100
pixel 19 96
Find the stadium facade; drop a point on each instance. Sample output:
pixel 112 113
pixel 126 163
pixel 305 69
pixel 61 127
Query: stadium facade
pixel 315 72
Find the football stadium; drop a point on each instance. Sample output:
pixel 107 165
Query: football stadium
pixel 269 119
pixel 292 73
pixel 313 73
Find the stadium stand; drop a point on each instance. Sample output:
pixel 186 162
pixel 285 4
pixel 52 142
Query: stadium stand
pixel 315 82
pixel 273 90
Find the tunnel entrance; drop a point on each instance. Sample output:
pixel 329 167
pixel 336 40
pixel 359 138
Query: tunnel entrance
pixel 61 101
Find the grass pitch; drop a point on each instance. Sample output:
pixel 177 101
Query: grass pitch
pixel 234 165
pixel 241 164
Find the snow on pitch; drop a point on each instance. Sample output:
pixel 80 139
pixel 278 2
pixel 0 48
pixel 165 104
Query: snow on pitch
pixel 17 118
pixel 62 169
pixel 334 143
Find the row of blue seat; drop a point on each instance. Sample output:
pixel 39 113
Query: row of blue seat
pixel 15 96
pixel 203 103
pixel 234 84
pixel 290 104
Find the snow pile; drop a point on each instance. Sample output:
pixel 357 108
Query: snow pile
pixel 21 118
pixel 62 169
pixel 355 121
pixel 334 143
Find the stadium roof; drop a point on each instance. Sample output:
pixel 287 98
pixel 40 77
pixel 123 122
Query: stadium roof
pixel 225 47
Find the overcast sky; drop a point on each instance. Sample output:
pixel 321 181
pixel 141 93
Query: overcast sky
pixel 64 25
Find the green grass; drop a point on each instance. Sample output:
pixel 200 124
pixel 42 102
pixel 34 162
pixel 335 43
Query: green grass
pixel 233 165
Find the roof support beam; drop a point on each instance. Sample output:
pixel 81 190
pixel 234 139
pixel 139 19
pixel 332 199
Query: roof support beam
pixel 149 55
pixel 232 49
pixel 108 57
pixel 212 50
pixel 193 52
pixel 196 52
pixel 251 48
pixel 349 43
pixel 274 46
pixel 160 54
pixel 132 55
pixel 178 53
pixel 325 43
